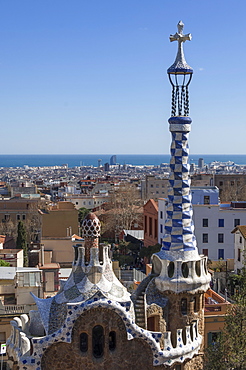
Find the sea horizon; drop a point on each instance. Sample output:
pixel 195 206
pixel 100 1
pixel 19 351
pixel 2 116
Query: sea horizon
pixel 76 160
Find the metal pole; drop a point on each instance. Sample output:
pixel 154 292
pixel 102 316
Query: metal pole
pixel 2 363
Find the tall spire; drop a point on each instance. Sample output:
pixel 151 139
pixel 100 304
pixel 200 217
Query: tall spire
pixel 179 229
pixel 179 253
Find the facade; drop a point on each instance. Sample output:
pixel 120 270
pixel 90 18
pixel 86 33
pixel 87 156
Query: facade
pixel 93 322
pixel 150 211
pixel 60 248
pixel 60 220
pixel 87 201
pixel 214 313
pixel 18 209
pixel 113 160
pixel 205 195
pixel 239 234
pixel 13 256
pixel 232 186
pixel 16 283
pixel 153 187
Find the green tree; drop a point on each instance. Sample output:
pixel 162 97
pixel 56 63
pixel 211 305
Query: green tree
pixel 147 252
pixel 229 351
pixel 21 242
pixel 82 213
pixel 4 263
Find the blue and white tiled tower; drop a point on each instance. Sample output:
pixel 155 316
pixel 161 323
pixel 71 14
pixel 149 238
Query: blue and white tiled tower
pixel 179 264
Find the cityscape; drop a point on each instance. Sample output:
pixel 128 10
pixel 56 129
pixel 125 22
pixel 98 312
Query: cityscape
pixel 119 261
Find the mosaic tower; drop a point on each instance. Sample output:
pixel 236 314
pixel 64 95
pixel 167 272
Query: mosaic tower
pixel 182 272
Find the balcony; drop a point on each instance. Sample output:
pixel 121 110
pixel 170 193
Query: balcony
pixel 16 309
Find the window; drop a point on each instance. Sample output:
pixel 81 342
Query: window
pixel 221 222
pixel 157 186
pixel 112 340
pixel 77 203
pixel 156 229
pixel 97 341
pixel 221 183
pixel 240 240
pixel 83 342
pixel 23 217
pixel 161 228
pixel 220 238
pixel 236 222
pixel 151 185
pixel 220 254
pixel 161 214
pixel 18 217
pixel 196 304
pixel 205 238
pixel 2 337
pixel 150 226
pixel 205 222
pixel 6 217
pixel 232 183
pixel 206 199
pixel 145 224
pixel 213 337
pixel 184 306
pixel 239 254
pixel 205 252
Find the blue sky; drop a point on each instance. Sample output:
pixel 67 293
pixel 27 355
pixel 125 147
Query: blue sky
pixel 89 77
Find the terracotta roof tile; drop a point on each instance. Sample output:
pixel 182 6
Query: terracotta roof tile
pixel 242 229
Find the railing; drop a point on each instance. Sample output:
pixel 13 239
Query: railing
pixel 131 275
pixel 214 308
pixel 17 309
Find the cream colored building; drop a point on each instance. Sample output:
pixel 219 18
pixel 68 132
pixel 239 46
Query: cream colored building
pixel 87 201
pixel 13 256
pixel 60 249
pixel 239 247
pixel 154 187
pixel 60 220
pixel 16 284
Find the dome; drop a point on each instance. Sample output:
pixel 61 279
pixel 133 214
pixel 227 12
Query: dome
pixel 91 226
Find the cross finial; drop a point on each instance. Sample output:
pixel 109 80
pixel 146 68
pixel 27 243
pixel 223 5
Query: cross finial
pixel 180 65
pixel 179 36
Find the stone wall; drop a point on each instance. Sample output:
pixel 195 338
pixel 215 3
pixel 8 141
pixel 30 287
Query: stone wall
pixel 129 354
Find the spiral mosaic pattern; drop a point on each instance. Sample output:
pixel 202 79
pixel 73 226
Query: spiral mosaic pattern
pixel 179 227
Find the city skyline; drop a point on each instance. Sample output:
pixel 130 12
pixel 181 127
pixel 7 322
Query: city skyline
pixel 91 78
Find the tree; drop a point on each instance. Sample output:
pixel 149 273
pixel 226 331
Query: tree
pixel 147 252
pixel 21 242
pixel 33 223
pixel 4 263
pixel 123 210
pixel 229 351
pixel 82 213
pixel 8 228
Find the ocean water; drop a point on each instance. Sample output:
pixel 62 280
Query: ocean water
pixel 73 160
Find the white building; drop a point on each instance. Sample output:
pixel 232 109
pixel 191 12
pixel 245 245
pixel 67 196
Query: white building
pixel 87 201
pixel 239 247
pixel 213 224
